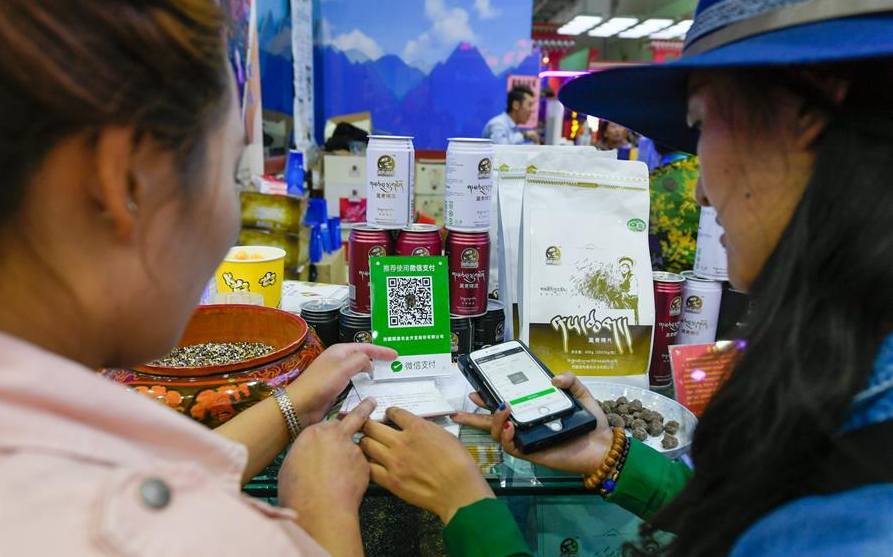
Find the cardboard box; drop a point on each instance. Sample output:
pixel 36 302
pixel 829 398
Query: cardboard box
pixel 430 206
pixel 333 268
pixel 282 213
pixel 296 245
pixel 430 178
pixel 345 187
pixel 303 273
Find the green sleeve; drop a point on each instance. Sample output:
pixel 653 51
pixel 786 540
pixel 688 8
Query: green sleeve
pixel 648 480
pixel 484 529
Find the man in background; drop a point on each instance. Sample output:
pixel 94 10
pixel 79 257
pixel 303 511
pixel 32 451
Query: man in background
pixel 504 129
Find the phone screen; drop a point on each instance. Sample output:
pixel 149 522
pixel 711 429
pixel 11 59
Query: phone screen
pixel 518 379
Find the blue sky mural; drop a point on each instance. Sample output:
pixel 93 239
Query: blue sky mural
pixel 429 68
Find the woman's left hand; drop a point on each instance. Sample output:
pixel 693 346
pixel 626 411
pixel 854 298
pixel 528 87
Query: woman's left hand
pixel 423 464
pixel 582 455
pixel 314 391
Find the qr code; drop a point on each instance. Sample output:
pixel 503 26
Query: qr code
pixel 410 302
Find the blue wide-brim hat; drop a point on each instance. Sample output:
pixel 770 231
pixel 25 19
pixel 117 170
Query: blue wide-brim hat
pixel 652 99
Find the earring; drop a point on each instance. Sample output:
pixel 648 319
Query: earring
pixel 132 206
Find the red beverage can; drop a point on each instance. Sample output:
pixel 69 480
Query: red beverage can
pixel 469 265
pixel 420 239
pixel 667 313
pixel 365 242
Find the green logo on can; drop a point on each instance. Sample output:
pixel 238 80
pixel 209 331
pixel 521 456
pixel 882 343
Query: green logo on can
pixel 397 366
pixel 636 225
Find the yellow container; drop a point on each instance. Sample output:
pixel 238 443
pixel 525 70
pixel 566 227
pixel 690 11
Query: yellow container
pixel 257 269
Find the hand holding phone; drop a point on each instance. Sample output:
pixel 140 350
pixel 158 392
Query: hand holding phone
pixel 543 414
pixel 516 377
pixel 581 455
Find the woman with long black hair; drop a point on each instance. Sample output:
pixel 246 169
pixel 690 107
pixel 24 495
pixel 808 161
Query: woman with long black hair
pixel 792 456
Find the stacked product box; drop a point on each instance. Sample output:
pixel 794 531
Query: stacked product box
pixel 276 220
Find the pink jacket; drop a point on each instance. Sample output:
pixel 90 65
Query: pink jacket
pixel 90 468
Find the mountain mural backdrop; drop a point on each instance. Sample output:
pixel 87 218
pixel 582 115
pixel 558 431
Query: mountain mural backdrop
pixel 276 60
pixel 455 100
pixel 436 71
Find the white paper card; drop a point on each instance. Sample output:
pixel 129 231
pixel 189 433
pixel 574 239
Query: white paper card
pixel 421 397
pixel 297 293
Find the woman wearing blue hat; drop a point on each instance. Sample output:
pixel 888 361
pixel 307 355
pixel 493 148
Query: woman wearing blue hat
pixel 794 454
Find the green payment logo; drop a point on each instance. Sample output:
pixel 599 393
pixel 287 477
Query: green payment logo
pixel 636 225
pixel 397 366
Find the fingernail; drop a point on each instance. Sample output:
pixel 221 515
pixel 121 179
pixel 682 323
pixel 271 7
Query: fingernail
pixel 508 425
pixel 501 406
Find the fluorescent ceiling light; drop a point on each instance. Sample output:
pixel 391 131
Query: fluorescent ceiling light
pixel 673 32
pixel 646 28
pixel 579 24
pixel 562 73
pixel 613 26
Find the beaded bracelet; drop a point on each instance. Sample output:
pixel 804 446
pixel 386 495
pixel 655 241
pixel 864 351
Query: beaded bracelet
pixel 610 484
pixel 615 455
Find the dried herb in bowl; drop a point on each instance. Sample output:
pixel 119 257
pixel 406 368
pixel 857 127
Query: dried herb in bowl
pixel 213 354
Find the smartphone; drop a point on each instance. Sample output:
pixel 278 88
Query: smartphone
pixel 514 375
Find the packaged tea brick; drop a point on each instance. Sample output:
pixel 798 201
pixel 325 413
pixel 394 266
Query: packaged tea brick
pixel 587 303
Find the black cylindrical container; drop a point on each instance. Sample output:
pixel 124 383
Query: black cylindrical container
pixel 324 316
pixel 355 327
pixel 732 313
pixel 489 329
pixel 460 335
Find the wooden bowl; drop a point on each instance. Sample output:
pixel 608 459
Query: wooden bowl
pixel 214 394
pixel 237 323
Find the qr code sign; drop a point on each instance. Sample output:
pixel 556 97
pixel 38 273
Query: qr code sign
pixel 410 302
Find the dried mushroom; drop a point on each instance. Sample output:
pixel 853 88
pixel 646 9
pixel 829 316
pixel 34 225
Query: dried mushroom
pixel 615 420
pixel 655 428
pixel 640 421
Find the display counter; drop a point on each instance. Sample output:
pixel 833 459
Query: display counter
pixel 557 515
pixel 506 474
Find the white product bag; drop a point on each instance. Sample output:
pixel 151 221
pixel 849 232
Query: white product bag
pixel 587 301
pixel 511 163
